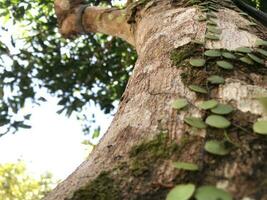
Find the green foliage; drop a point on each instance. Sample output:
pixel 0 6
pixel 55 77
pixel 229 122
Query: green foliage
pixel 263 101
pixel 260 127
pixel 195 122
pixel 213 29
pixel 256 59
pixel 212 36
pixel 217 121
pixel 261 51
pixel 15 184
pixel 206 105
pixel 181 192
pixel 228 55
pixel 186 191
pixel 260 4
pixel 179 104
pixel 96 133
pixel 243 50
pixel 224 64
pixel 197 62
pixel 214 79
pixel 216 147
pixel 211 193
pixel 91 69
pixel 198 89
pixel 212 53
pixel 222 109
pixel 246 60
pixel 260 42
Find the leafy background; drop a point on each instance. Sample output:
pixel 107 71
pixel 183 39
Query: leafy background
pixel 16 184
pixel 91 69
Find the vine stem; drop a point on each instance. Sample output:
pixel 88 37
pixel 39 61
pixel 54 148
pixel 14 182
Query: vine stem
pixel 240 127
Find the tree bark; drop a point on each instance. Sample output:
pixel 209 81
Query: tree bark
pixel 134 158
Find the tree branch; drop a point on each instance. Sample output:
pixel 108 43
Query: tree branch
pixel 75 18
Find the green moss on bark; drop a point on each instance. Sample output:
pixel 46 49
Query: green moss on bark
pixel 102 188
pixel 134 179
pixel 180 54
pixel 144 155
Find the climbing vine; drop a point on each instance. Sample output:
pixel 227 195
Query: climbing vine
pixel 206 69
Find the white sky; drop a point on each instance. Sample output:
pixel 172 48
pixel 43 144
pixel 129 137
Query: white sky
pixel 52 144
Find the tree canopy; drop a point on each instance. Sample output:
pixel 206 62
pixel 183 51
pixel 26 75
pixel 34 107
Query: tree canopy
pixel 16 184
pixel 90 69
pixel 93 68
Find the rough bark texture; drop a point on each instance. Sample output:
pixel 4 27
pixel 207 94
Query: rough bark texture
pixel 134 158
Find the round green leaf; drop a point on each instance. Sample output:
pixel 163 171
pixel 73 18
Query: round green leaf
pixel 256 59
pixel 179 104
pixel 243 50
pixel 212 36
pixel 228 55
pixel 198 89
pixel 253 24
pixel 225 64
pixel 222 109
pixel 217 121
pixel 244 14
pixel 185 166
pixel 211 22
pixel 261 51
pixel 211 15
pixel 200 6
pixel 231 6
pixel 206 105
pixel 214 79
pixel 181 192
pixel 263 101
pixel 198 42
pixel 216 147
pixel 212 53
pixel 261 43
pixel 211 26
pixel 260 127
pixel 195 122
pixel 213 8
pixel 204 10
pixel 197 62
pixel 204 4
pixel 213 29
pixel 211 193
pixel 247 60
pixel 202 18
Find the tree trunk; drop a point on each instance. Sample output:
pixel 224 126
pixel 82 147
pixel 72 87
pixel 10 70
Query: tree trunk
pixel 134 160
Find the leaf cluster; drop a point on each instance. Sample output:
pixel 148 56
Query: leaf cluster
pixel 33 56
pixel 16 184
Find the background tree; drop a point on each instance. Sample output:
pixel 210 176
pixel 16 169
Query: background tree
pixel 16 184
